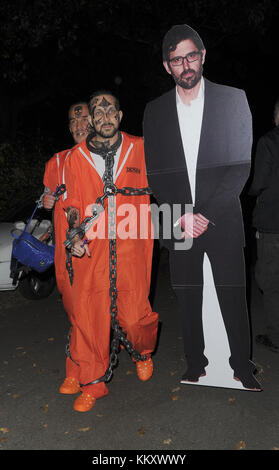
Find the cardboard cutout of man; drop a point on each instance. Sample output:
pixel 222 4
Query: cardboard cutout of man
pixel 198 140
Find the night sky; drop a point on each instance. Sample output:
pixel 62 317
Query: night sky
pixel 55 52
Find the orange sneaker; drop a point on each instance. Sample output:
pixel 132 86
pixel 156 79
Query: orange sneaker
pixel 84 402
pixel 145 369
pixel 70 386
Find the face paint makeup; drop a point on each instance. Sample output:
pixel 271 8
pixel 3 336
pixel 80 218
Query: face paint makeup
pixel 79 122
pixel 104 103
pixel 106 118
pixel 78 111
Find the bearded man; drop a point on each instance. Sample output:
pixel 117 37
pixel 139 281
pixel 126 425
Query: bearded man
pixel 198 144
pixel 115 159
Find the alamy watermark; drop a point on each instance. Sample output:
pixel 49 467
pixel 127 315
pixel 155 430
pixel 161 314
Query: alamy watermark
pixel 141 221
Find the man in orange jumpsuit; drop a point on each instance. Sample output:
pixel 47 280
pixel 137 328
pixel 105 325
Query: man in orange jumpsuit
pixel 90 337
pixel 79 127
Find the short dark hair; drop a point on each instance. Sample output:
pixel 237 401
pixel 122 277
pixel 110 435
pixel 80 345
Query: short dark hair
pixel 177 34
pixel 103 92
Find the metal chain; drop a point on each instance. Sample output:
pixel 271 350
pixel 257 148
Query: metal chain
pixel 110 192
pixel 68 353
pixel 126 191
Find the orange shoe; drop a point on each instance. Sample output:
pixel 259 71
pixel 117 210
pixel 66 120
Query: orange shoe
pixel 84 402
pixel 70 386
pixel 145 369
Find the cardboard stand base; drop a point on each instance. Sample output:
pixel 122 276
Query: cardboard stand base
pixel 217 350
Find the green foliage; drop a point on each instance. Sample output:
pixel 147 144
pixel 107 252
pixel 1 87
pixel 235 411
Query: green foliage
pixel 21 174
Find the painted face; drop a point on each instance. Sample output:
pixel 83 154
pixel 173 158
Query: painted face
pixel 188 74
pixel 106 117
pixel 79 122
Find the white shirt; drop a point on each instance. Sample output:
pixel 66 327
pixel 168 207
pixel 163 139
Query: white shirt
pixel 190 121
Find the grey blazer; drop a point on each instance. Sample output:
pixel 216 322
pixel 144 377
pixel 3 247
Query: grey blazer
pixel 223 163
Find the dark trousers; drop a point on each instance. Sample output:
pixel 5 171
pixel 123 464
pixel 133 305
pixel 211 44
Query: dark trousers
pixel 267 277
pixel 228 271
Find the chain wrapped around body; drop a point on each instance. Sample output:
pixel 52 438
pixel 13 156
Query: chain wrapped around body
pixel 110 192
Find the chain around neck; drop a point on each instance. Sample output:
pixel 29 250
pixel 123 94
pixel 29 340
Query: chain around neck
pixel 102 149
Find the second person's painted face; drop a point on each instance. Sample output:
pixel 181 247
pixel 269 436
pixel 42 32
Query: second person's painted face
pixel 79 122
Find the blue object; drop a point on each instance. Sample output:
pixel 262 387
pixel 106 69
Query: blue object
pixel 30 251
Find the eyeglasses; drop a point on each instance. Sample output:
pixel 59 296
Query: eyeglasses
pixel 190 57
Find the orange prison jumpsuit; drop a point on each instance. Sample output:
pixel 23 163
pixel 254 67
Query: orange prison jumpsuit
pixel 53 176
pixel 90 337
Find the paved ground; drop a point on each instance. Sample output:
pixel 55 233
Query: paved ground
pixel 161 414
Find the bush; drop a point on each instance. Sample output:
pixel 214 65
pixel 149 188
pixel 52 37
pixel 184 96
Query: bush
pixel 22 165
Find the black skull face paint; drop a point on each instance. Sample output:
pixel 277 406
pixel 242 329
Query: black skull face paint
pixel 79 122
pixel 104 103
pixel 106 117
pixel 78 111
